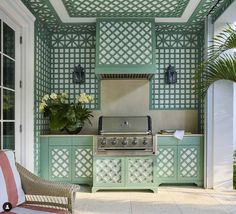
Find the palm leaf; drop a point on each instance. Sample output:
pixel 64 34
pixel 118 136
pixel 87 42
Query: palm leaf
pixel 220 64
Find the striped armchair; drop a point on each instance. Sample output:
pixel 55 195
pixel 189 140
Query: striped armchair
pixel 47 193
pixel 23 192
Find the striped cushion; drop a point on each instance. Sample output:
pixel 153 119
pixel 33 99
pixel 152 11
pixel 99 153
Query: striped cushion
pixel 10 183
pixel 29 209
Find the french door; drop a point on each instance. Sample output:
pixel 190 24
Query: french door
pixel 10 93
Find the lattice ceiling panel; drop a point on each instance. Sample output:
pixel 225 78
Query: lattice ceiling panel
pixel 43 10
pixel 125 8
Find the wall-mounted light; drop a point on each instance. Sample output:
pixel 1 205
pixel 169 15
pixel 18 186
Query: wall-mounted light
pixel 79 75
pixel 170 75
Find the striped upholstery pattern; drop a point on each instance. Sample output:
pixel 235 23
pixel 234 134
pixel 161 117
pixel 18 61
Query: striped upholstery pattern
pixel 10 183
pixel 28 209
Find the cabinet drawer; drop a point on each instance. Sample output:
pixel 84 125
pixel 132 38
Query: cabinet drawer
pixel 82 141
pixel 60 141
pixel 171 141
pixel 190 141
pixel 167 141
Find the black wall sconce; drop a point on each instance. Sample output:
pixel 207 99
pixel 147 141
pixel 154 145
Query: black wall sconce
pixel 170 75
pixel 79 75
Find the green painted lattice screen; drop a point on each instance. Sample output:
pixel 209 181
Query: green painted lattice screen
pixel 42 82
pixel 68 50
pixel 181 50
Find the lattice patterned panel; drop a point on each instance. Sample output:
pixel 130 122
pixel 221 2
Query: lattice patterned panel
pixel 83 162
pixel 68 50
pixel 44 11
pixel 220 9
pixel 125 42
pixel 60 163
pixel 165 162
pixel 188 162
pixel 140 171
pixel 181 51
pixel 125 8
pixel 42 83
pixel 108 171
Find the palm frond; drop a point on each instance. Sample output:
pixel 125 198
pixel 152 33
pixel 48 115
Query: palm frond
pixel 220 64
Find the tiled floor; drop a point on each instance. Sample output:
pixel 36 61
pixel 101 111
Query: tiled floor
pixel 173 200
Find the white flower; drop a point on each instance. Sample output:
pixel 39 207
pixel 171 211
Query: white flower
pixel 65 95
pixel 46 97
pixel 53 96
pixel 42 106
pixel 83 98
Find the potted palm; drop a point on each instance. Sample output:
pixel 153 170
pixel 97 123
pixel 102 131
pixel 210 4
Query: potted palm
pixel 221 63
pixel 64 115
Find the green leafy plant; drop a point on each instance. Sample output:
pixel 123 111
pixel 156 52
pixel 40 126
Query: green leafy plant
pixel 220 63
pixel 64 115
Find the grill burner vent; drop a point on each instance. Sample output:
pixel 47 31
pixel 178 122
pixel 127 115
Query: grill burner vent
pixel 126 76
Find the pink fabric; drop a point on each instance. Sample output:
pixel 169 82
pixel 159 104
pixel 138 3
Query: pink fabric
pixel 9 179
pixel 10 182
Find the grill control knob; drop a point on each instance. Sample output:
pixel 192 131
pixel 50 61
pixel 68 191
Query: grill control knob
pixel 145 142
pixel 114 141
pixel 135 141
pixel 104 141
pixel 125 141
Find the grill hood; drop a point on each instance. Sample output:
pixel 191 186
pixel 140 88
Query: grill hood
pixel 112 73
pixel 125 48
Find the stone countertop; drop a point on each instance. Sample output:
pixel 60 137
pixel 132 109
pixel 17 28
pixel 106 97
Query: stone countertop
pixel 67 135
pixel 186 135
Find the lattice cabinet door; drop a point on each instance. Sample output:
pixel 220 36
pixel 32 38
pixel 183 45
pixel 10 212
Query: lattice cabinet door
pixel 60 163
pixel 108 171
pixel 190 160
pixel 82 164
pixel 166 164
pixel 140 171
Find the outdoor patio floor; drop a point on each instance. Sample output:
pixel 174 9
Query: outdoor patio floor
pixel 173 200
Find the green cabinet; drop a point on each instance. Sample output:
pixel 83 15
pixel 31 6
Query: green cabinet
pixel 124 173
pixel 180 161
pixel 67 158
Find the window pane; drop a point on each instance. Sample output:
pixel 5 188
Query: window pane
pixel 8 105
pixel 8 135
pixel 8 41
pixel 8 73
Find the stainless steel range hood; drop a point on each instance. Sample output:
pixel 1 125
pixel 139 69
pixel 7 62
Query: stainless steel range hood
pixel 125 48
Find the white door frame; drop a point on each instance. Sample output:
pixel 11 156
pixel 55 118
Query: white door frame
pixel 22 17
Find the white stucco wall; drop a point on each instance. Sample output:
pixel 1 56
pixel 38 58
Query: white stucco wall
pixel 223 113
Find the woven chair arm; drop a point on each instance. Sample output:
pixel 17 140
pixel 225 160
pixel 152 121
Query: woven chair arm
pixel 34 185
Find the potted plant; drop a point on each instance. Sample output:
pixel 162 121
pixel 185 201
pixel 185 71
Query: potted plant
pixel 221 63
pixel 64 115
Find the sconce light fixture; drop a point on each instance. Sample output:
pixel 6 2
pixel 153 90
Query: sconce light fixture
pixel 79 75
pixel 170 75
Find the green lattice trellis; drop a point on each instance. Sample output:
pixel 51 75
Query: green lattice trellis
pixel 43 10
pixel 220 9
pixel 125 8
pixel 68 50
pixel 181 51
pixel 42 82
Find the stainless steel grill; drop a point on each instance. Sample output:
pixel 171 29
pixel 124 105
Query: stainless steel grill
pixel 124 136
